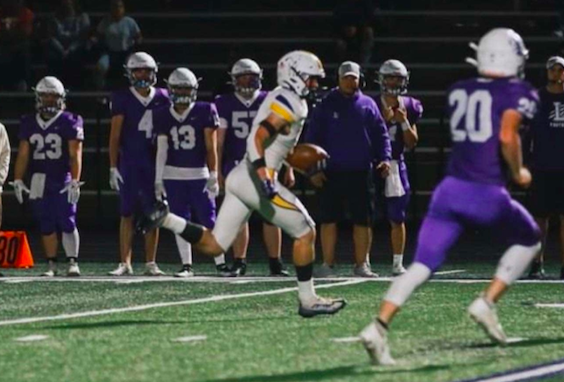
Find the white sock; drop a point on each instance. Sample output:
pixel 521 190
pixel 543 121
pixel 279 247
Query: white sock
pixel 306 291
pixel 71 243
pixel 514 262
pixel 219 259
pixel 398 261
pixel 174 223
pixel 403 286
pixel 185 250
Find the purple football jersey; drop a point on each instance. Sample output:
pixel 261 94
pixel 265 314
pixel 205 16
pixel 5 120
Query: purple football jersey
pixel 236 115
pixel 475 108
pixel 414 110
pixel 186 140
pixel 547 131
pixel 48 140
pixel 136 141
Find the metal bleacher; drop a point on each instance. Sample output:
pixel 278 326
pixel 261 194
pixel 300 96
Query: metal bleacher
pixel 431 37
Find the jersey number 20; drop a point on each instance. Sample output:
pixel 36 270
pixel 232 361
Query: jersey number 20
pixel 463 122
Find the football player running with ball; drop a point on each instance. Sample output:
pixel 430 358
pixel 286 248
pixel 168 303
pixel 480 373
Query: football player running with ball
pixel 485 116
pixel 253 185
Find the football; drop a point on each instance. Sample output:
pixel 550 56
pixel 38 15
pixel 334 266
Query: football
pixel 306 157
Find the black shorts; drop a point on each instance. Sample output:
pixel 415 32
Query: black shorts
pixel 351 191
pixel 547 193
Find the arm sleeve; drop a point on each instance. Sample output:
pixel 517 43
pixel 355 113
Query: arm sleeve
pixel 162 154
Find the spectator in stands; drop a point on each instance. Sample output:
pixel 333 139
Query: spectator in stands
pixel 119 35
pixel 354 32
pixel 348 124
pixel 67 41
pixel 16 27
pixel 547 128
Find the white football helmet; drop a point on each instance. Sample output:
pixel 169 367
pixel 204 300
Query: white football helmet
pixel 242 67
pixel 49 85
pixel 180 79
pixel 394 68
pixel 500 53
pixel 295 68
pixel 141 60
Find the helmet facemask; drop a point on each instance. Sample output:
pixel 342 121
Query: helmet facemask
pixel 246 84
pixel 182 95
pixel 397 87
pixel 144 83
pixel 48 103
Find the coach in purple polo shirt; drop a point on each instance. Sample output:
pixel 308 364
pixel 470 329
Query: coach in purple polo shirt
pixel 348 124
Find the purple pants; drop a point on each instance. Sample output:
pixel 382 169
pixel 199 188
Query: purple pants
pixel 396 207
pixel 137 193
pixel 53 212
pixel 185 196
pixel 458 204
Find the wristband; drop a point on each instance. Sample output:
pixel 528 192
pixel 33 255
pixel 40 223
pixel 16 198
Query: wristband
pixel 405 126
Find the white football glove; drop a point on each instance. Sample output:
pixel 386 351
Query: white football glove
pixel 115 178
pixel 19 189
pixel 73 190
pixel 212 185
pixel 160 191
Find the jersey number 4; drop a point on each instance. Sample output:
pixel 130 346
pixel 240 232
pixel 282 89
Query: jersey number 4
pixel 49 147
pixel 463 122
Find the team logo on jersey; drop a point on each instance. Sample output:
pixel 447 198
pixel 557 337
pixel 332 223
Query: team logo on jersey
pixel 335 115
pixel 557 115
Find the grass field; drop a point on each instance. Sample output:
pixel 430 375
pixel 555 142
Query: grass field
pixel 255 336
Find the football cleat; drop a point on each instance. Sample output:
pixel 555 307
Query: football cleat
pixel 152 269
pixel 154 218
pixel 121 270
pixel 537 271
pixel 398 270
pixel 484 314
pixel 324 271
pixel 364 271
pixel 185 272
pixel 321 306
pixel 375 340
pixel 51 271
pixel 223 270
pixel 239 268
pixel 73 270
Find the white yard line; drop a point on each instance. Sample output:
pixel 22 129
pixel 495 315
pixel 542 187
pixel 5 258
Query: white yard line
pixel 454 271
pixel 137 308
pixel 559 306
pixel 238 280
pixel 532 372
